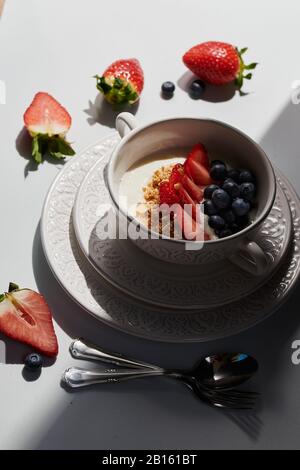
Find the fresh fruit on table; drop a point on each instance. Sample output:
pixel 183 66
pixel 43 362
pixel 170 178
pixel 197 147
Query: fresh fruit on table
pixel 218 63
pixel 247 191
pixel 233 175
pixel 221 199
pixel 199 154
pixel 48 122
pixel 209 190
pixel 231 188
pixel 210 208
pixel 216 222
pixel 195 191
pixel 191 229
pixel 167 194
pixel 226 232
pixel 197 89
pixel 25 317
pixel 218 172
pixel 122 82
pixel 33 361
pixel 228 215
pixel 246 176
pixel 168 89
pixel 240 207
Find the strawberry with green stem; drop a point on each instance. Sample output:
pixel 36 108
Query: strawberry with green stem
pixel 219 63
pixel 48 122
pixel 122 82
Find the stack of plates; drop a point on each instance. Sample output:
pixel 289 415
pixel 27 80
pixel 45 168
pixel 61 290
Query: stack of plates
pixel 130 290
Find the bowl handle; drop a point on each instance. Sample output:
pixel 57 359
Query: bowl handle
pixel 251 258
pixel 124 122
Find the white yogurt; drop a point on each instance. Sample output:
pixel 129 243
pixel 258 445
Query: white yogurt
pixel 138 176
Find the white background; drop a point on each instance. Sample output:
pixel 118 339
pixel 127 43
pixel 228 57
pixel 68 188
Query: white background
pixel 57 46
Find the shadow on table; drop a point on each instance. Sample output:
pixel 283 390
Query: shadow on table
pixel 24 148
pixel 102 112
pixel 270 342
pixel 213 94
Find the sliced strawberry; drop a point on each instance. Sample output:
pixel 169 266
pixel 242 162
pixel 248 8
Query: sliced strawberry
pixel 195 191
pixel 47 121
pixel 176 175
pixel 199 173
pixel 199 154
pixel 191 229
pixel 186 199
pixel 25 317
pixel 167 195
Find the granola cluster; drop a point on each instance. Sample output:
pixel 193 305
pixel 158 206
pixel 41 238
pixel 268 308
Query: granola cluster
pixel 149 212
pixel 151 191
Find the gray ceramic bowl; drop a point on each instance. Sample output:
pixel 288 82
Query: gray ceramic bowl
pixel 220 139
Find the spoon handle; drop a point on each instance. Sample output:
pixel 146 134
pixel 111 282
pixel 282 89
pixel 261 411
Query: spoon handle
pixel 77 378
pixel 81 350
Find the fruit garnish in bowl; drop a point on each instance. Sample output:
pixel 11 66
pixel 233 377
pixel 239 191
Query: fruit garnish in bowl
pixel 218 63
pixel 225 195
pixel 122 82
pixel 48 122
pixel 26 317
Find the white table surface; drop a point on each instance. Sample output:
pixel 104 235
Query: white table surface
pixel 57 46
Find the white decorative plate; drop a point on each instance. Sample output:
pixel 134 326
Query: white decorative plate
pixel 165 284
pixel 113 307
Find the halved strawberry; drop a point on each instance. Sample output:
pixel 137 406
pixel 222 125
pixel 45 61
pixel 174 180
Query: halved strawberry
pixel 186 199
pixel 176 175
pixel 25 317
pixel 199 154
pixel 198 172
pixel 167 195
pixel 48 122
pixel 195 191
pixel 122 82
pixel 190 228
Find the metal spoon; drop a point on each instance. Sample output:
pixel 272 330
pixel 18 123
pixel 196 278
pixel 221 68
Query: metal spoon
pixel 75 378
pixel 219 372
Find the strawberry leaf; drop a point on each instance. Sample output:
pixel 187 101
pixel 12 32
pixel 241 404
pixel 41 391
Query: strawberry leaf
pixel 12 287
pixel 59 147
pixel 118 91
pixel 37 152
pixel 251 66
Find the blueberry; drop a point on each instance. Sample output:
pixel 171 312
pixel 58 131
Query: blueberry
pixel 228 215
pixel 246 177
pixel 210 208
pixel 218 172
pixel 240 207
pixel 197 89
pixel 216 222
pixel 247 191
pixel 242 222
pixel 221 199
pixel 33 361
pixel 168 89
pixel 217 162
pixel 225 233
pixel 234 175
pixel 231 188
pixel 235 227
pixel 209 190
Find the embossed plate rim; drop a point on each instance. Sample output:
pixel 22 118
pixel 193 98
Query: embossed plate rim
pixel 143 296
pixel 180 327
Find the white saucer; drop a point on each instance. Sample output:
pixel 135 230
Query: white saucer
pixel 113 307
pixel 164 284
